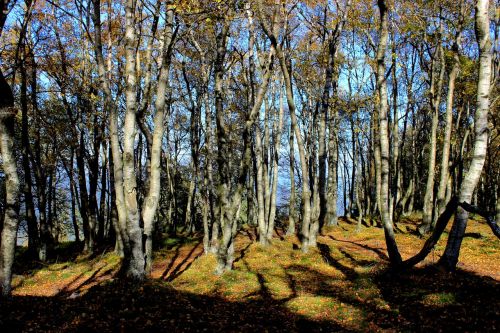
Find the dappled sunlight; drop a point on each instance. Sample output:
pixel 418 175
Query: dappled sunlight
pixel 342 284
pixel 68 277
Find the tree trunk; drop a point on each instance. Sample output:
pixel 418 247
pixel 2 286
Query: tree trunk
pixel 396 171
pixel 274 188
pixel 444 174
pixel 328 187
pixel 331 210
pixel 392 247
pixel 119 242
pixel 259 186
pixel 84 197
pixel 28 182
pixel 74 197
pixel 291 206
pixel 153 197
pixel 11 218
pixel 435 95
pixel 450 257
pixel 103 193
pixel 134 267
pixel 229 202
pixel 116 163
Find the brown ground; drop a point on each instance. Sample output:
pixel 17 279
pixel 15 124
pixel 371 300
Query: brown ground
pixel 343 285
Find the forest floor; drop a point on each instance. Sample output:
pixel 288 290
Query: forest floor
pixel 343 285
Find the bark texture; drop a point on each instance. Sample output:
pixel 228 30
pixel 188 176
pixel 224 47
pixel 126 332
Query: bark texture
pixel 392 247
pixel 450 257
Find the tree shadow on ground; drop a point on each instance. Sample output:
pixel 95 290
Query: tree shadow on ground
pixel 421 299
pixel 417 300
pixel 171 272
pixel 124 307
pixel 377 251
pixel 432 300
pixel 64 252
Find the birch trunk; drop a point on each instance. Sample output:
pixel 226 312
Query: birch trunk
pixel 444 174
pixel 452 251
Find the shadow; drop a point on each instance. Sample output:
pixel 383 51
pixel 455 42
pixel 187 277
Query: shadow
pixel 475 235
pixel 264 290
pixel 347 220
pixel 354 260
pixel 378 252
pixel 365 223
pixel 242 253
pixel 172 261
pixel 420 300
pixel 324 250
pixel 178 270
pixel 431 300
pixel 249 234
pixel 413 231
pixel 94 278
pixel 24 264
pixel 398 229
pixel 151 307
pixel 277 232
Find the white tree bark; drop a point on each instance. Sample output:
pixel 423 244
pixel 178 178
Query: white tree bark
pixel 153 196
pixel 11 218
pixel 481 131
pixel 444 175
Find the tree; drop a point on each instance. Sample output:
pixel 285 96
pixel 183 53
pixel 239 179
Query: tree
pixel 471 178
pixel 392 247
pixel 10 220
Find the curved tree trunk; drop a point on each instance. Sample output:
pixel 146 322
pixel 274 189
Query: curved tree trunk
pixel 450 257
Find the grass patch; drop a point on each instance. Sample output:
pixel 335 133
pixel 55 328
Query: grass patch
pixel 439 299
